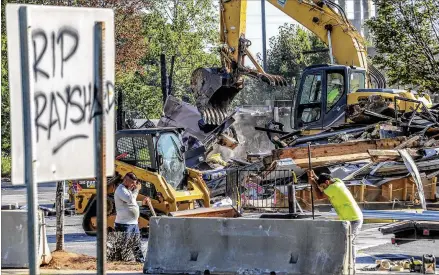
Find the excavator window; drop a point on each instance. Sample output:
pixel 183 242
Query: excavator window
pixel 335 89
pixel 358 81
pixel 310 100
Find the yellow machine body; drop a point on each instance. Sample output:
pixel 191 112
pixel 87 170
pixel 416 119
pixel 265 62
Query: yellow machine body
pixel 402 105
pixel 166 199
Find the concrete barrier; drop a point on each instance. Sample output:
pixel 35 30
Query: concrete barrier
pixel 248 246
pixel 14 240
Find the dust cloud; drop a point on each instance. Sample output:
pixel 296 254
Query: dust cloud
pixel 250 140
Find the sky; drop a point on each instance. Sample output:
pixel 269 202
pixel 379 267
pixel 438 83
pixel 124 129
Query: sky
pixel 274 19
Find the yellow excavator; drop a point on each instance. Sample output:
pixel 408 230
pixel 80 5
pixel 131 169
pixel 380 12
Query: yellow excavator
pixel 324 92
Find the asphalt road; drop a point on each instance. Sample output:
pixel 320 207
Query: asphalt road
pixel 17 194
pixel 371 243
pixel 75 239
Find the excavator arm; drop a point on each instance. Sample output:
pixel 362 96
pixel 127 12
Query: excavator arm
pixel 215 88
pixel 328 22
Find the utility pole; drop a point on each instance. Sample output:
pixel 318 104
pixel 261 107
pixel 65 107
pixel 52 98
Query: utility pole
pixel 120 114
pixel 59 204
pixel 171 74
pixel 164 77
pixel 100 137
pixel 264 37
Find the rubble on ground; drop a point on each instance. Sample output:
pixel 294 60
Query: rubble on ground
pixel 425 265
pixel 394 159
pixel 365 152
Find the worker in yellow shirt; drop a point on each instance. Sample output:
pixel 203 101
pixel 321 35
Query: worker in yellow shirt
pixel 335 89
pixel 341 199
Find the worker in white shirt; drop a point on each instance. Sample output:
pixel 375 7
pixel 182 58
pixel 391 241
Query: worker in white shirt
pixel 127 212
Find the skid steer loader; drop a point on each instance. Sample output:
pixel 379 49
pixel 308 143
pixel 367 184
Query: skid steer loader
pixel 156 156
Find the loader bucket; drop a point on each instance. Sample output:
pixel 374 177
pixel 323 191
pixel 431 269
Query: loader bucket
pixel 179 245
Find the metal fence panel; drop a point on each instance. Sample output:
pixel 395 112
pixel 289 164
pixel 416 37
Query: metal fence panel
pixel 259 188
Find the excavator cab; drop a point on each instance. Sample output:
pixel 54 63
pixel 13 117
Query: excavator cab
pixel 331 95
pixel 322 95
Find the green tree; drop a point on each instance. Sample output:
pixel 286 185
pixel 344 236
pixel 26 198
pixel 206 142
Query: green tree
pixel 5 107
pixel 185 29
pixel 140 99
pixel 130 46
pixel 5 113
pixel 287 56
pixel 406 36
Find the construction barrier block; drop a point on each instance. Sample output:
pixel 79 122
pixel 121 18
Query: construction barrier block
pixel 15 242
pixel 248 246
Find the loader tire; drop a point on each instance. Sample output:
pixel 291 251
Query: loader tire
pixel 88 226
pixel 87 223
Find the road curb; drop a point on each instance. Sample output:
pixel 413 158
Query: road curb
pixel 8 184
pixel 53 271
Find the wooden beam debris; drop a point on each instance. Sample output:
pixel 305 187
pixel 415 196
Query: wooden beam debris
pixel 331 160
pixel 339 149
pixel 384 155
pixel 408 143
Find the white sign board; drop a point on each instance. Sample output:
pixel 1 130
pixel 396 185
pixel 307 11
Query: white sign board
pixel 61 79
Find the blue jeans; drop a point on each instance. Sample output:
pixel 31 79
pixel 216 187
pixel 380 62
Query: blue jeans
pixel 132 231
pixel 356 228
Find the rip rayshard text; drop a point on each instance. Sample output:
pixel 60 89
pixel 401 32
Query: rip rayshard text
pixel 69 102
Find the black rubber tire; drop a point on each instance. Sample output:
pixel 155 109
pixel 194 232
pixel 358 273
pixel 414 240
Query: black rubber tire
pixel 86 222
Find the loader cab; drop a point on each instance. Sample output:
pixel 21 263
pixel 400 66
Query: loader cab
pixel 322 95
pixel 155 149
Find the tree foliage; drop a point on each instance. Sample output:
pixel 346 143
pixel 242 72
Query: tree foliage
pixel 184 29
pixel 144 29
pixel 130 44
pixel 140 100
pixel 406 36
pixel 5 111
pixel 181 28
pixel 5 106
pixel 286 56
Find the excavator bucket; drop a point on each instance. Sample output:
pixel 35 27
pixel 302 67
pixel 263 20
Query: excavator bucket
pixel 182 245
pixel 214 90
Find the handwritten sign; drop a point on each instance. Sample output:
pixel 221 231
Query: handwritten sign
pixel 61 75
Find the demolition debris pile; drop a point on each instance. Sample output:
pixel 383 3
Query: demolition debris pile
pixel 380 158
